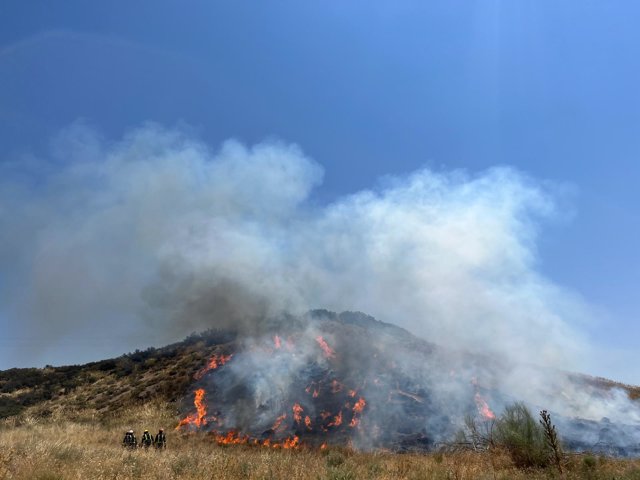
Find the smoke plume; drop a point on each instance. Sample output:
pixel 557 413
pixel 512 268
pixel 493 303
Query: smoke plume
pixel 146 239
pixel 157 235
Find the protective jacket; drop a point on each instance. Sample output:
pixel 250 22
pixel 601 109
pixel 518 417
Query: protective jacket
pixel 146 440
pixel 129 440
pixel 161 440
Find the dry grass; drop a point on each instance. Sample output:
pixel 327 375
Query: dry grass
pixel 88 447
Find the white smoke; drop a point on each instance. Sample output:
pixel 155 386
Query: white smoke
pixel 158 235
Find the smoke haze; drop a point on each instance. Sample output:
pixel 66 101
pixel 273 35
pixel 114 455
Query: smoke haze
pixel 157 235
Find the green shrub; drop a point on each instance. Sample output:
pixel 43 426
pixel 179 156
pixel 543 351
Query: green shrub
pixel 589 462
pixel 522 436
pixel 515 431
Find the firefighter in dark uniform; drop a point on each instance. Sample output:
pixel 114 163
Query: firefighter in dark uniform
pixel 161 440
pixel 129 440
pixel 147 440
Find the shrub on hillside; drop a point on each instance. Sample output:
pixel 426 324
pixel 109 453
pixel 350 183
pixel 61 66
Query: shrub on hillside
pixel 519 433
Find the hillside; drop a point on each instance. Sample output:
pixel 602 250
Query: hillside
pixel 110 385
pixel 338 378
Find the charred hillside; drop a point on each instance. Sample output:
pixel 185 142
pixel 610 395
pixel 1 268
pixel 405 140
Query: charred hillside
pixel 349 379
pixel 328 378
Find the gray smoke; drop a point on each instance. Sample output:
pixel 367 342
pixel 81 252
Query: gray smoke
pixel 156 235
pixel 157 226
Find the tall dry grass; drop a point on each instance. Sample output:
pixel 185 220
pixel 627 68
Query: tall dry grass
pixel 83 445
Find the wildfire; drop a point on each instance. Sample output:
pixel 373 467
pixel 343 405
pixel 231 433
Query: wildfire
pixel 293 442
pixel 483 407
pixel 233 438
pixel 214 362
pixel 297 413
pixel 337 420
pixel 328 351
pixel 359 406
pixel 198 419
pixel 278 423
pixel 357 412
pixel 316 391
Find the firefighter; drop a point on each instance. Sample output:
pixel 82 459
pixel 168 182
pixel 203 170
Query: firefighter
pixel 129 440
pixel 161 440
pixel 147 440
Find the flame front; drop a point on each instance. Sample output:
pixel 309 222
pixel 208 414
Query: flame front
pixel 337 420
pixel 233 438
pixel 483 407
pixel 343 405
pixel 214 362
pixel 328 351
pixel 297 413
pixel 278 423
pixel 199 418
pixel 357 412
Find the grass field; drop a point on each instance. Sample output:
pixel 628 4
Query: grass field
pixel 81 445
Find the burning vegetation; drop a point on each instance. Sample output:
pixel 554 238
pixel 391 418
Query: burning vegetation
pixel 346 380
pixel 323 385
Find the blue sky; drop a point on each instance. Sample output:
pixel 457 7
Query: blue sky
pixel 367 89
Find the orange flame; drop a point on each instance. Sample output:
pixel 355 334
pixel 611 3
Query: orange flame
pixel 316 391
pixel 352 393
pixel 233 438
pixel 307 422
pixel 297 413
pixel 291 442
pixel 359 406
pixel 214 362
pixel 357 411
pixel 198 419
pixel 189 420
pixel 337 420
pixel 201 407
pixel 328 351
pixel 483 407
pixel 276 341
pixel 278 423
